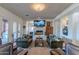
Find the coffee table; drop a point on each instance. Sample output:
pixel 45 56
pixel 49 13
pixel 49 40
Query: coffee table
pixel 38 51
pixel 39 43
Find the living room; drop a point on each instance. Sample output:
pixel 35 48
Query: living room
pixel 39 29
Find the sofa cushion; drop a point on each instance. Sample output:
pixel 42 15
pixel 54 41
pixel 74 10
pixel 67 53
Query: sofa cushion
pixel 59 51
pixel 53 52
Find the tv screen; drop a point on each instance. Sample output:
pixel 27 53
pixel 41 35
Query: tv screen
pixel 39 23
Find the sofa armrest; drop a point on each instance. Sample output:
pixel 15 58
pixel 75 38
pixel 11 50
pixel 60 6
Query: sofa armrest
pixel 52 52
pixel 60 51
pixel 57 51
pixel 23 52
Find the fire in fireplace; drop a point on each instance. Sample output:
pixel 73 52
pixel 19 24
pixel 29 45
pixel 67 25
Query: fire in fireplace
pixel 39 32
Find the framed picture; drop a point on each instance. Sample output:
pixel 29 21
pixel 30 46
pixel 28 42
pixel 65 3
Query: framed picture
pixel 65 30
pixel 65 27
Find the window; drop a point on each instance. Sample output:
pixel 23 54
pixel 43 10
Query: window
pixel 4 31
pixel 18 30
pixel 14 31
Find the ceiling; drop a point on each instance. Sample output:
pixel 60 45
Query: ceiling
pixel 25 11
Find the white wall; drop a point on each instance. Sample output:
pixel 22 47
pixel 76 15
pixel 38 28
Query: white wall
pixel 56 28
pixel 5 14
pixel 29 25
pixel 70 27
pixel 76 25
pixel 72 13
pixel 58 25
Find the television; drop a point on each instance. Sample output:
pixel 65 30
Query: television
pixel 39 23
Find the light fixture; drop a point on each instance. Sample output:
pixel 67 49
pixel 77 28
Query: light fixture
pixel 38 7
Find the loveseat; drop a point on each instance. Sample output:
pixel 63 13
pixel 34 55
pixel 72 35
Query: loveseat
pixel 24 42
pixel 6 49
pixel 55 42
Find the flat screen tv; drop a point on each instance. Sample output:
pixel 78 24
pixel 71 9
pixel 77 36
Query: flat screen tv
pixel 39 23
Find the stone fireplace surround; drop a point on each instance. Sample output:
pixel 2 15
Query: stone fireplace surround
pixel 39 32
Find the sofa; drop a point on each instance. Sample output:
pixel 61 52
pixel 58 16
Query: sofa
pixel 51 38
pixel 6 49
pixel 55 42
pixel 23 42
pixel 57 51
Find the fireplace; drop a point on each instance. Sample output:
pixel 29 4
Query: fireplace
pixel 39 32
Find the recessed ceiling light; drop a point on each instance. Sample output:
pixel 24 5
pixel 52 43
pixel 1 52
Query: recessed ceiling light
pixel 38 6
